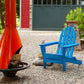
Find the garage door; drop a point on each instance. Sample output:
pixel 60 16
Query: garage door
pixel 50 15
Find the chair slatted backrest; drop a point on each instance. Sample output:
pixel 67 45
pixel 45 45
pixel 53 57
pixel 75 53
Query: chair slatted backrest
pixel 68 36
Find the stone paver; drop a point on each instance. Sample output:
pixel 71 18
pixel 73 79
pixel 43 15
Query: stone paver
pixel 38 75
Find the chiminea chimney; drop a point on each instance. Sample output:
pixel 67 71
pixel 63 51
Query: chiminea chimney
pixel 10 41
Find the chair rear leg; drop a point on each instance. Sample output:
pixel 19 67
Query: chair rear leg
pixel 44 65
pixel 64 66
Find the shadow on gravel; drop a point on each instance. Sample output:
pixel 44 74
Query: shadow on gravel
pixel 14 80
pixel 69 68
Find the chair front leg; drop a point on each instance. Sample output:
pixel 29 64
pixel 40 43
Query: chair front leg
pixel 44 65
pixel 64 66
pixel 43 51
pixel 64 63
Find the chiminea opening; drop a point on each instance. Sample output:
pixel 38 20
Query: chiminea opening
pixel 18 51
pixel 15 65
pixel 15 60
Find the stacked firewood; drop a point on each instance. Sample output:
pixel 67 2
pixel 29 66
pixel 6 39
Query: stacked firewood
pixel 15 61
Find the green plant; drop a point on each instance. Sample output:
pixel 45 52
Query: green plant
pixel 18 22
pixel 1 30
pixel 77 15
pixel 0 27
pixel 2 13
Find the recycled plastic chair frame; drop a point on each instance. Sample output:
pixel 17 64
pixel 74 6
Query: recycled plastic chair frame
pixel 65 49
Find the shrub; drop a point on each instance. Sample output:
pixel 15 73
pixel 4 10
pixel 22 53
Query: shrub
pixel 0 27
pixel 77 15
pixel 18 22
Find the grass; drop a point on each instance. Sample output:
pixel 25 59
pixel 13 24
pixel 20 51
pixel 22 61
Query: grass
pixel 18 22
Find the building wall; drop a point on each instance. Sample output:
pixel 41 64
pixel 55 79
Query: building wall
pixel 25 13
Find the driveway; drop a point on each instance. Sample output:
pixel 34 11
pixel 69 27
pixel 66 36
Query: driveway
pixel 36 74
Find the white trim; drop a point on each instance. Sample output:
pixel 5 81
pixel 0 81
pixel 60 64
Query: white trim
pixel 82 2
pixel 77 2
pixel 20 13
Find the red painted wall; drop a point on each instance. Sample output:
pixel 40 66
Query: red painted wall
pixel 25 5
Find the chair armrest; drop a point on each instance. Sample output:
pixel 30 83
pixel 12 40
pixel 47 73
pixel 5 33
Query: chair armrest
pixel 71 45
pixel 48 44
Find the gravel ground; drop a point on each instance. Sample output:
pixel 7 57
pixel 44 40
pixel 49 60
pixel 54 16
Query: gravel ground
pixel 36 74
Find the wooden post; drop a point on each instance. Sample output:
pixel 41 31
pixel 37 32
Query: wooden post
pixel 10 41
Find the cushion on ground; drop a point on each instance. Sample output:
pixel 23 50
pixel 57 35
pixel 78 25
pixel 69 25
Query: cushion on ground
pixel 39 62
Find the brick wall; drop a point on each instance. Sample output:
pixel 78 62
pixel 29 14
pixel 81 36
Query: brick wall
pixel 25 13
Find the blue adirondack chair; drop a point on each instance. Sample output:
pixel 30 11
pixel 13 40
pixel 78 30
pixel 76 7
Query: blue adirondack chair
pixel 65 49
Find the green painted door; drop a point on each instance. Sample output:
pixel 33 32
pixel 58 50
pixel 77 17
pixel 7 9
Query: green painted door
pixel 50 15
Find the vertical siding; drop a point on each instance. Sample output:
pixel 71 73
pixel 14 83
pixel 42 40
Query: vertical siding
pixel 25 4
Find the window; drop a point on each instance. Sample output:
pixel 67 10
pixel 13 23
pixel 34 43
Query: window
pixel 74 2
pixel 44 1
pixel 39 1
pixel 58 2
pixel 49 1
pixel 64 2
pixel 35 1
pixel 54 1
pixel 68 2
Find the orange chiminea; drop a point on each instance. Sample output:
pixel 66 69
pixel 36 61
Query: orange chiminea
pixel 10 41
